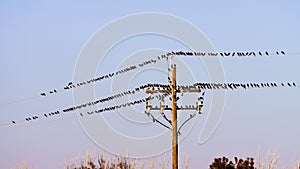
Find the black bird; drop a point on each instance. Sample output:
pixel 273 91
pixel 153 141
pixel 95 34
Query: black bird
pixel 260 53
pixel 221 54
pixel 45 115
pixel 55 91
pixel 267 53
pixel 289 84
pixel 283 52
pixel 70 83
pixel 13 122
pixel 51 92
pixel 294 84
pixel 43 94
pixel 277 52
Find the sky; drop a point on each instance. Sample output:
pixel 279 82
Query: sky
pixel 40 49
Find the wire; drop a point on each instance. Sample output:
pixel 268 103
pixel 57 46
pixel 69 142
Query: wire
pixel 191 116
pixel 159 122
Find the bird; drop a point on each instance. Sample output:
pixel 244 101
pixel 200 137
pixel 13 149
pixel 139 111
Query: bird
pixel 289 84
pixel 294 84
pixel 267 53
pixel 260 53
pixel 43 94
pixel 277 52
pixel 13 122
pixel 70 83
pixel 221 54
pixel 55 91
pixel 45 115
pixel 282 52
pixel 51 92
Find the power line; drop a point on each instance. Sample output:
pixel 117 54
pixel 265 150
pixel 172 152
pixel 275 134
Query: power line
pixel 154 60
pixel 159 88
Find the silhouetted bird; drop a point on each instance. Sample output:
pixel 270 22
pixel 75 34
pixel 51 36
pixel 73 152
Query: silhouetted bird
pixel 221 54
pixel 289 84
pixel 294 84
pixel 282 52
pixel 55 91
pixel 51 92
pixel 260 53
pixel 43 94
pixel 267 53
pixel 13 122
pixel 277 52
pixel 70 83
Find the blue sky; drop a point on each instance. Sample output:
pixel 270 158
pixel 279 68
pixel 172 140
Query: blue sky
pixel 41 41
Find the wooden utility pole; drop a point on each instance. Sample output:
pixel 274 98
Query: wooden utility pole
pixel 174 118
pixel 173 91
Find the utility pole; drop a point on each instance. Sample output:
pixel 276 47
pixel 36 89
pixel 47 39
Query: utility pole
pixel 173 91
pixel 174 118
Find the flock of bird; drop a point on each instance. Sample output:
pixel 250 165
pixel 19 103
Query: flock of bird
pixel 159 58
pixel 202 86
pixel 225 54
pixel 106 99
pixel 233 86
pixel 116 107
pixel 162 95
pixel 160 87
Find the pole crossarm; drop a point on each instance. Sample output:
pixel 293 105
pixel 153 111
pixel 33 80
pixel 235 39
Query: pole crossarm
pixel 178 108
pixel 148 91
